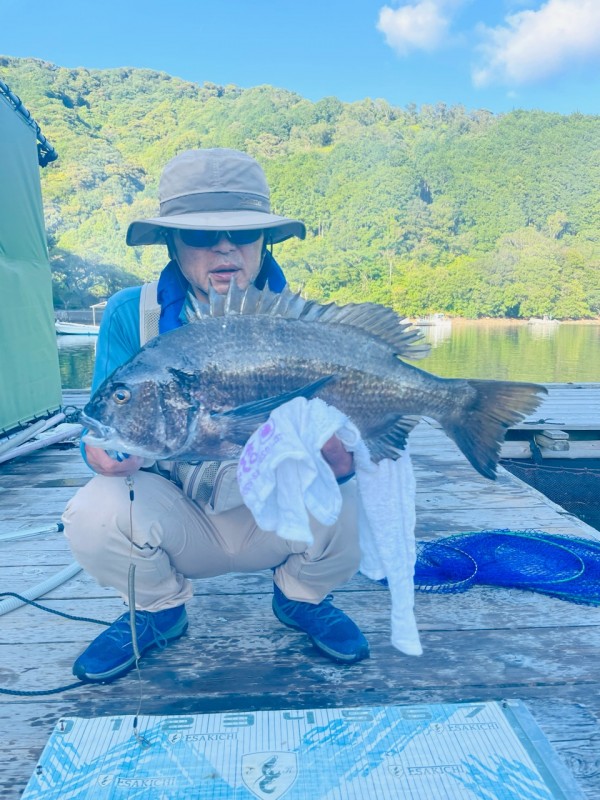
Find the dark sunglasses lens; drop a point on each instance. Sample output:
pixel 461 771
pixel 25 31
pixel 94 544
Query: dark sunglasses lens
pixel 210 238
pixel 244 237
pixel 199 238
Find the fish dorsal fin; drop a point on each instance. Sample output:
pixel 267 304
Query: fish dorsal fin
pixel 381 322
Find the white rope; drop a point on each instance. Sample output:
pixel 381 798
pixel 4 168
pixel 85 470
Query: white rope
pixel 41 589
pixel 54 528
pixel 30 432
pixel 66 431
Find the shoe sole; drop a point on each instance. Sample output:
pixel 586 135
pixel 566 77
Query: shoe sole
pixel 332 654
pixel 123 669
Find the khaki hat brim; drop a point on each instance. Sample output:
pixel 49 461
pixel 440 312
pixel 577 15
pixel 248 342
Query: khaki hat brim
pixel 150 231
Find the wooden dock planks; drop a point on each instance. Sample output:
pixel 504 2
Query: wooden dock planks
pixel 485 644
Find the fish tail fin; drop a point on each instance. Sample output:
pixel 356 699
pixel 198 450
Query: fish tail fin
pixel 490 408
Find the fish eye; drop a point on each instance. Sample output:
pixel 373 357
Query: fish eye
pixel 121 395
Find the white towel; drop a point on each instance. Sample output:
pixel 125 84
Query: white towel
pixel 282 476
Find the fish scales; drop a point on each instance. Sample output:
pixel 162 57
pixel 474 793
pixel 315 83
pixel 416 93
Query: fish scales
pixel 239 368
pixel 201 390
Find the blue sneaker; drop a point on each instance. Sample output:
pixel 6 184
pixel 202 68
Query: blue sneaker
pixel 111 654
pixel 329 629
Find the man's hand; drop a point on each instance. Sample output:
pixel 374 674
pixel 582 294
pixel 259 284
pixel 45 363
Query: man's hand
pixel 103 464
pixel 338 458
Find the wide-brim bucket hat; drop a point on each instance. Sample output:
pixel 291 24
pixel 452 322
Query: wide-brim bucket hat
pixel 213 189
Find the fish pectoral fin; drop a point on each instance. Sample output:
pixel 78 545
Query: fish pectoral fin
pixel 245 419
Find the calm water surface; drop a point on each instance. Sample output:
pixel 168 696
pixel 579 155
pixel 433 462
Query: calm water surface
pixel 500 350
pixel 76 355
pixel 547 353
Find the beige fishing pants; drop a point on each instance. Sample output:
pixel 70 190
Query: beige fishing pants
pixel 175 540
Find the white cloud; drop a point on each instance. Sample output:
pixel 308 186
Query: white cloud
pixel 418 26
pixel 534 45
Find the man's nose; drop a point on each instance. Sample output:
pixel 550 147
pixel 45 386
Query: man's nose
pixel 223 243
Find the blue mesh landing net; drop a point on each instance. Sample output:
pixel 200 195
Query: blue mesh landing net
pixel 442 568
pixel 562 566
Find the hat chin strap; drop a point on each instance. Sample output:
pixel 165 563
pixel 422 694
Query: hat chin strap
pixel 171 249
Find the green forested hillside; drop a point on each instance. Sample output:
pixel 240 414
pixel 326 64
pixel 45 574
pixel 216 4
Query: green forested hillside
pixel 430 209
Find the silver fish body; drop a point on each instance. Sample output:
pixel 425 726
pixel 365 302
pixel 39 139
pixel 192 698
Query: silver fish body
pixel 200 391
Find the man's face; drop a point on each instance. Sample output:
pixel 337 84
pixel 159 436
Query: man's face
pixel 218 264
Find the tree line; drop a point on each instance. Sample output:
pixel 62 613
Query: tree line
pixel 427 209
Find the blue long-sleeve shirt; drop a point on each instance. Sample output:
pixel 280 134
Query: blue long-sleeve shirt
pixel 119 336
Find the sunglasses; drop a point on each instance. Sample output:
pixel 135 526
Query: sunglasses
pixel 210 238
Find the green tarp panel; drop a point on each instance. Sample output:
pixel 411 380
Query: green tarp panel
pixel 29 372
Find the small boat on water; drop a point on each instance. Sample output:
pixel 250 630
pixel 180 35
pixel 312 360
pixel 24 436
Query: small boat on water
pixel 80 328
pixel 545 320
pixel 433 319
pixel 76 328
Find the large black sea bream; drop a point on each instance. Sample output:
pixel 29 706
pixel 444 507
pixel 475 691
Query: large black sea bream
pixel 200 391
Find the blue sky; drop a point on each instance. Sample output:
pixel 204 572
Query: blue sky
pixel 493 54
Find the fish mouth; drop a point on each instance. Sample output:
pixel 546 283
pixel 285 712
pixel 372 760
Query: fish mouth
pixel 95 426
pixel 98 435
pixel 106 438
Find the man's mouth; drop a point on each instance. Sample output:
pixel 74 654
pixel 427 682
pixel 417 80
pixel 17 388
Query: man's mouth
pixel 224 273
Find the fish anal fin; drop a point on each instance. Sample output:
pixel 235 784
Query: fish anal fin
pixel 393 441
